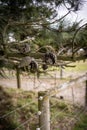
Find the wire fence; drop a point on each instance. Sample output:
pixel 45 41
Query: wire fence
pixel 56 90
pixel 70 116
pixel 12 112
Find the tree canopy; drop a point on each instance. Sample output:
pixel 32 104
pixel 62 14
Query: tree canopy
pixel 28 29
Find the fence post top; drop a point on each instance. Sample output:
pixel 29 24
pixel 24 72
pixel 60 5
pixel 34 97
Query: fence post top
pixel 42 93
pixel 37 128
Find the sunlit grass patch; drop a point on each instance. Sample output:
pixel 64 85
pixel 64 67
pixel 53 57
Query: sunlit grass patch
pixel 79 66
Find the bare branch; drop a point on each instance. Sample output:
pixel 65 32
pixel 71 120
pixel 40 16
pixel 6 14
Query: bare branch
pixel 73 39
pixel 58 20
pixel 39 55
pixel 36 22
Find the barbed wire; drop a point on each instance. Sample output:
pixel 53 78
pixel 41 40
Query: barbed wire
pixel 59 114
pixel 77 115
pixel 22 124
pixel 55 117
pixel 82 110
pixel 74 117
pixel 64 86
pixel 36 114
pixel 70 102
pixel 78 118
pixel 50 95
pixel 41 82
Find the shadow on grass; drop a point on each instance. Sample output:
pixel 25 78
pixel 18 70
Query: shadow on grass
pixel 6 121
pixel 12 110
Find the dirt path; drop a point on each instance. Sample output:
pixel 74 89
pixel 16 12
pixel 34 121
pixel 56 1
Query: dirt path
pixel 35 84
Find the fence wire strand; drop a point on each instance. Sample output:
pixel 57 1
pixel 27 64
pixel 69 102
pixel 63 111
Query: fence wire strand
pixel 6 115
pixel 50 93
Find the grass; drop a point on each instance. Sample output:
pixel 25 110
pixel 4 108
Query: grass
pixel 82 124
pixel 62 113
pixel 79 67
pixel 11 99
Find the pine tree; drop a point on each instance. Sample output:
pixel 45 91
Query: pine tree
pixel 22 21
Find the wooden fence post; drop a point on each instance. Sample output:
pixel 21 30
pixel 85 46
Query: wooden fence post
pixel 44 110
pixel 73 95
pixel 61 72
pixel 18 78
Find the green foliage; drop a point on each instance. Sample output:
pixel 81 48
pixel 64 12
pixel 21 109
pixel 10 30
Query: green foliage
pixel 82 124
pixel 33 19
pixel 81 38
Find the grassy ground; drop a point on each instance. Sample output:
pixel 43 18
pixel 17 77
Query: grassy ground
pixel 11 99
pixel 68 117
pixel 82 124
pixel 79 66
